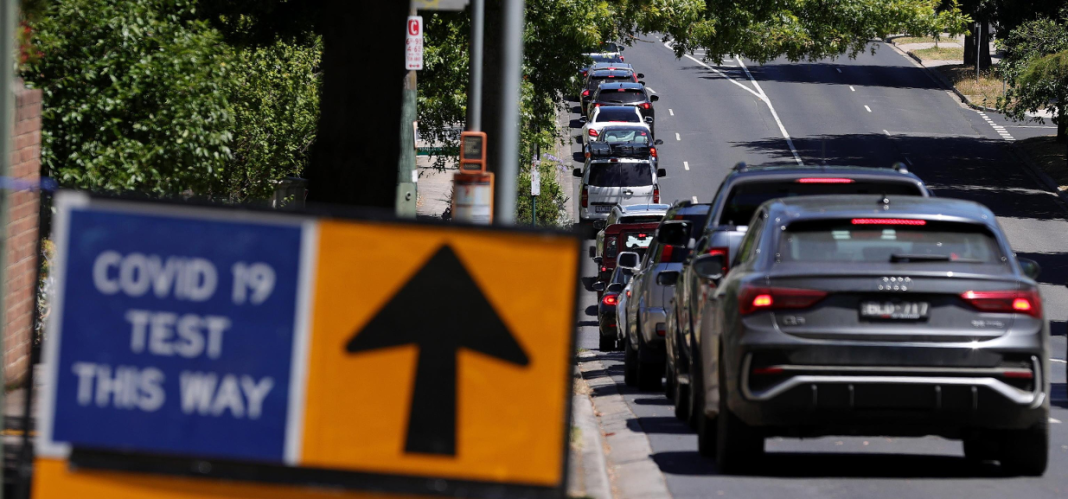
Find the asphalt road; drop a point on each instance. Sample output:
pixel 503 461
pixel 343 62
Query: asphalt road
pixel 874 110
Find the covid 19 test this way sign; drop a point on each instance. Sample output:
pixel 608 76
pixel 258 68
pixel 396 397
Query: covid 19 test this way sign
pixel 255 346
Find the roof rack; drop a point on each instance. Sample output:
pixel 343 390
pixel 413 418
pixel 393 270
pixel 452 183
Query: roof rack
pixel 621 150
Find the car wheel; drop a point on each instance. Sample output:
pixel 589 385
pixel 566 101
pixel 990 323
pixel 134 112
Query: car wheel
pixel 649 373
pixel 669 381
pixel 607 344
pixel 682 393
pixel 738 446
pixel 1025 452
pixel 697 382
pixel 630 363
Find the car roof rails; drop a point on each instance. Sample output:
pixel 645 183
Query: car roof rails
pixel 741 167
pixel 900 167
pixel 622 150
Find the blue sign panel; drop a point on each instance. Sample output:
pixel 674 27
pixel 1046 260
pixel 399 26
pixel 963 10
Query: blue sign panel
pixel 177 335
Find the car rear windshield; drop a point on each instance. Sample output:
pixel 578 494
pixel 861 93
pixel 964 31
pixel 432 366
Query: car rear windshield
pixel 621 174
pixel 626 137
pixel 612 76
pixel 621 96
pixel 881 240
pixel 626 115
pixel 744 198
pixel 640 219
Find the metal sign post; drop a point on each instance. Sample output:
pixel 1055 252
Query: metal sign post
pixel 535 191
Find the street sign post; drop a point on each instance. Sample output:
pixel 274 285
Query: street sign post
pixel 251 347
pixel 413 44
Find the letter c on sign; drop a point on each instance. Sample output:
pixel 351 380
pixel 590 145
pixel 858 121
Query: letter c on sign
pixel 103 262
pixel 413 27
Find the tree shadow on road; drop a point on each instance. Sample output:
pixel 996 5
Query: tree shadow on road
pixel 1054 266
pixel 1059 394
pixel 866 75
pixel 660 425
pixel 834 465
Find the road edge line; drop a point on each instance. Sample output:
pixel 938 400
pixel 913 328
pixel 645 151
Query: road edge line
pixel 767 100
pixel 634 474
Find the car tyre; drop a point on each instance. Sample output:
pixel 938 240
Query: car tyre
pixel 738 446
pixel 669 382
pixel 682 392
pixel 630 363
pixel 649 373
pixel 980 447
pixel 1025 452
pixel 607 344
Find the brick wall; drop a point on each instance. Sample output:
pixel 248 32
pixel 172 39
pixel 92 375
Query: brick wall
pixel 22 236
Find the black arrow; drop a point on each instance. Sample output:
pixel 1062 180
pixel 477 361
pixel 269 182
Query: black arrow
pixel 441 309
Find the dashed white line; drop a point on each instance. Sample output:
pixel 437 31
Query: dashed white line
pixel 677 136
pixel 1054 421
pixel 868 108
pixel 694 199
pixel 686 165
pixel 671 112
pixel 650 90
pixel 1059 360
pixel 852 89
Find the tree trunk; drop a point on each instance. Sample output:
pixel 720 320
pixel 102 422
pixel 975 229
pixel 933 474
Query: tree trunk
pixel 354 161
pixel 984 47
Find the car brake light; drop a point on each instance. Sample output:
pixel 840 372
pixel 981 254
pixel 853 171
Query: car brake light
pixel 585 197
pixel 621 59
pixel 598 104
pixel 1023 302
pixel 725 252
pixel 661 329
pixel 665 254
pixel 825 181
pixel 593 133
pixel 887 221
pixel 585 93
pixel 604 269
pixel 754 299
pixel 610 300
pixel 1019 374
pixel 656 194
pixel 645 105
pixel 652 152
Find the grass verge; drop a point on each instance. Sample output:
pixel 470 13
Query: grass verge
pixel 940 54
pixel 984 92
pixel 918 39
pixel 1049 156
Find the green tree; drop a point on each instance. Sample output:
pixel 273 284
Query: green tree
pixel 1031 71
pixel 135 96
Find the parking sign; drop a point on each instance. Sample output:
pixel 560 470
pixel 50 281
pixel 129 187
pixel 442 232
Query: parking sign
pixel 413 44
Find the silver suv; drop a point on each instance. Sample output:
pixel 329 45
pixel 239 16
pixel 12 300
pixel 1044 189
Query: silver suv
pixel 607 182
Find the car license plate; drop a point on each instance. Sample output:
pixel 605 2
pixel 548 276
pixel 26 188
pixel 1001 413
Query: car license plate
pixel 602 209
pixel 894 310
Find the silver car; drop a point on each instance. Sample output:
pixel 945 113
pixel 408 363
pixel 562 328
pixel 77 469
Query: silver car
pixel 607 182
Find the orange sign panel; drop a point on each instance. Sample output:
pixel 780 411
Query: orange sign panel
pixel 441 352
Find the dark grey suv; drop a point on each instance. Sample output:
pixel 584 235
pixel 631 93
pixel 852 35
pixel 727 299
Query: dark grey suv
pixel 873 315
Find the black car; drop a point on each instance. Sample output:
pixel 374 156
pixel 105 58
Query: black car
pixel 600 57
pixel 738 197
pixel 596 78
pixel 608 65
pixel 627 94
pixel 873 315
pixel 606 308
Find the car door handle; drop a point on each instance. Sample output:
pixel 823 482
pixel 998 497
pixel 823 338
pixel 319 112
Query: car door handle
pixel 628 192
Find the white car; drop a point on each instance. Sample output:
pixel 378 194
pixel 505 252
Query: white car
pixel 603 116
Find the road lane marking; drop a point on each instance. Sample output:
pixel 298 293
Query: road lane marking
pixel 764 97
pixel 1054 421
pixel 868 108
pixel 650 90
pixel 852 89
pixel 839 69
pixel 887 132
pixel 694 199
pixel 686 165
pixel 1033 126
pixel 1059 360
pixel 721 73
pixel 671 112
pixel 1000 130
pixel 677 136
pixel 907 160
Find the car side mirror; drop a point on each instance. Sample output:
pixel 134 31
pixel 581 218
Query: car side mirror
pixel 709 266
pixel 660 172
pixel 1030 267
pixel 673 233
pixel 583 119
pixel 641 75
pixel 615 288
pixel 649 119
pixel 667 278
pixel 577 172
pixel 628 260
pixel 597 260
pixel 654 98
pixel 599 286
pixel 658 142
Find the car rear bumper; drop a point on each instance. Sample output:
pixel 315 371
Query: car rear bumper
pixel 651 317
pixel 808 388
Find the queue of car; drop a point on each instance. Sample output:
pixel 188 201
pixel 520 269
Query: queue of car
pixel 813 301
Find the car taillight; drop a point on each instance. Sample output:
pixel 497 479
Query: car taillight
pixel 661 329
pixel 665 254
pixel 584 73
pixel 585 93
pixel 656 194
pixel 652 152
pixel 753 299
pixel 585 197
pixel 598 104
pixel 725 252
pixel 621 59
pixel 825 181
pixel 645 105
pixel 612 300
pixel 1020 302
pixel 888 221
pixel 593 133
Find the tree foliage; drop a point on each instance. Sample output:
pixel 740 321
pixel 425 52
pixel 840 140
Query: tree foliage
pixel 1031 70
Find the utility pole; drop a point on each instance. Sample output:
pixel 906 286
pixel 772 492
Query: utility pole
pixel 7 104
pixel 474 83
pixel 504 136
pixel 407 173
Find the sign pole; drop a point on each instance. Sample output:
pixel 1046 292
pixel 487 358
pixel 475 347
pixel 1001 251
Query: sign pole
pixel 7 46
pixel 507 136
pixel 474 83
pixel 407 174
